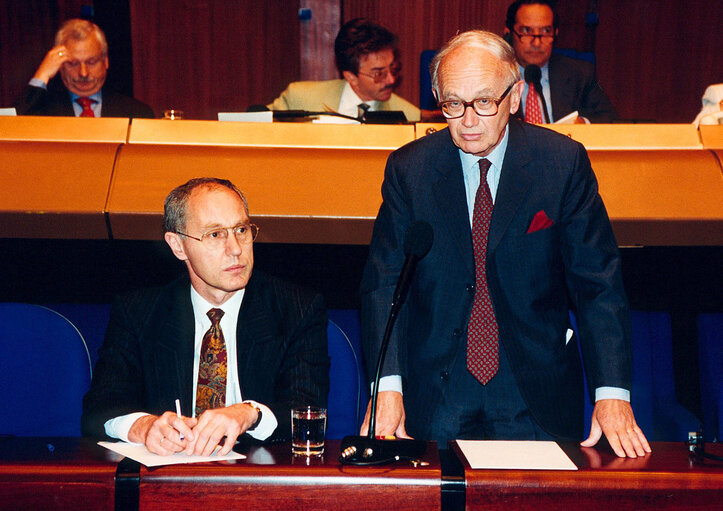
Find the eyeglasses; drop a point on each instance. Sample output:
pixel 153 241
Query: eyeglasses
pixel 94 61
pixel 380 75
pixel 546 35
pixel 484 107
pixel 215 238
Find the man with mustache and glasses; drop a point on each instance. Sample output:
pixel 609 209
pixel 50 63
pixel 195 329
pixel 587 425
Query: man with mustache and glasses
pixel 236 347
pixel 80 55
pixel 366 56
pixel 568 84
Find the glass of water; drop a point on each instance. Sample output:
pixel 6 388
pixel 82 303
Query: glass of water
pixel 308 426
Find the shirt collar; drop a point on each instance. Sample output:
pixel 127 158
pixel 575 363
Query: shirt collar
pixel 98 96
pixel 201 306
pixel 349 101
pixel 496 157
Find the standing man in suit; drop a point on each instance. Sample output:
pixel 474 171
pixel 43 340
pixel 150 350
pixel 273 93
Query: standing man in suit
pixel 483 346
pixel 568 84
pixel 80 55
pixel 238 348
pixel 366 55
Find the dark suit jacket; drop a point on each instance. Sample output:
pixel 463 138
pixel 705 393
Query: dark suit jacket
pixel 574 86
pixel 56 102
pixel 534 278
pixel 146 360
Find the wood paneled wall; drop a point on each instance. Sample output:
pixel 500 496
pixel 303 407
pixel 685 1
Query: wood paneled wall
pixel 654 57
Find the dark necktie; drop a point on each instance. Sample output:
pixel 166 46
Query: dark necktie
pixel 533 110
pixel 85 103
pixel 212 367
pixel 482 332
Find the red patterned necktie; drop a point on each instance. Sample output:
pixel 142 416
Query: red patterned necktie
pixel 533 111
pixel 482 332
pixel 212 367
pixel 85 103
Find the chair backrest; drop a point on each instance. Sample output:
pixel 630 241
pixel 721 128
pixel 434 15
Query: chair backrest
pixel 426 98
pixel 710 352
pixel 348 394
pixel 45 371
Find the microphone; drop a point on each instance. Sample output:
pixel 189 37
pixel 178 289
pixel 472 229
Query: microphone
pixel 369 450
pixel 533 76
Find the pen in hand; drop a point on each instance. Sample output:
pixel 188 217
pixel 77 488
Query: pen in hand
pixel 178 413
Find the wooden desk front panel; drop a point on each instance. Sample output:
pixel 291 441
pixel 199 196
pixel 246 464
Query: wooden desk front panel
pixel 54 190
pixel 56 473
pixel 271 478
pixel 296 195
pixel 662 197
pixel 666 479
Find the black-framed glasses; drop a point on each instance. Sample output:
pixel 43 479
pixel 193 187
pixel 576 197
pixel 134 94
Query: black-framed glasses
pixel 379 75
pixel 546 35
pixel 215 238
pixel 484 107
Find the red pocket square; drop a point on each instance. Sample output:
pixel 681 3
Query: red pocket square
pixel 539 222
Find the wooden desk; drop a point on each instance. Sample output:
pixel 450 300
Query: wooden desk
pixel 56 473
pixel 271 478
pixel 665 479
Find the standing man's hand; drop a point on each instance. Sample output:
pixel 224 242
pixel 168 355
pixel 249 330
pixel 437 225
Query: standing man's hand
pixel 615 418
pixel 162 435
pixel 50 65
pixel 390 416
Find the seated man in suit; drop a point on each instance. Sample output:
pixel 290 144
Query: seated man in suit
pixel 81 55
pixel 366 55
pixel 568 84
pixel 238 348
pixel 483 347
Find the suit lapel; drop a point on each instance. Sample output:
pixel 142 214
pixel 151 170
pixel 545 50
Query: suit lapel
pixel 449 193
pixel 175 326
pixel 515 180
pixel 559 89
pixel 253 329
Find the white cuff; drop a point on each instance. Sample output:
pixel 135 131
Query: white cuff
pixel 612 393
pixel 392 382
pixel 37 82
pixel 119 427
pixel 268 422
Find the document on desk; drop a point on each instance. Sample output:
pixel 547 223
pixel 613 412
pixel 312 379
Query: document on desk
pixel 139 453
pixel 507 454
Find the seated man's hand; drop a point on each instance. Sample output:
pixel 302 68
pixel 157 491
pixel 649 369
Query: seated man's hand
pixel 214 425
pixel 162 435
pixel 50 65
pixel 390 416
pixel 615 418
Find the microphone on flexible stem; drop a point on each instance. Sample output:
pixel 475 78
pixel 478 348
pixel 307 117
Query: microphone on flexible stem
pixel 369 450
pixel 533 76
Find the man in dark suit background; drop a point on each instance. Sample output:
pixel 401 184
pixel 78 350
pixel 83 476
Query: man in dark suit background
pixel 544 247
pixel 568 84
pixel 275 354
pixel 80 55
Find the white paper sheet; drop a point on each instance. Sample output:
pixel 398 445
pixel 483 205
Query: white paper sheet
pixel 505 454
pixel 139 453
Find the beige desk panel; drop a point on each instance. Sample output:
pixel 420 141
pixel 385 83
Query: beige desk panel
pixel 712 136
pixel 54 190
pixel 277 134
pixel 296 195
pixel 64 129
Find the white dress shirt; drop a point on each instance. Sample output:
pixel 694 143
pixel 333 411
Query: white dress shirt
pixel 349 102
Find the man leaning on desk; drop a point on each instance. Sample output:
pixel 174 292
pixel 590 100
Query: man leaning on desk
pixel 366 55
pixel 236 347
pixel 80 55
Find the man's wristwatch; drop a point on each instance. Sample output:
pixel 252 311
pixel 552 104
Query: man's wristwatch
pixel 258 419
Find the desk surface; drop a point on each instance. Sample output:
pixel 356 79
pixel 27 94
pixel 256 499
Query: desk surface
pixel 272 478
pixel 665 479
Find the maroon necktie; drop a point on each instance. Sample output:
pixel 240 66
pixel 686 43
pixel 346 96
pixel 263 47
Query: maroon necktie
pixel 533 111
pixel 482 334
pixel 212 367
pixel 85 103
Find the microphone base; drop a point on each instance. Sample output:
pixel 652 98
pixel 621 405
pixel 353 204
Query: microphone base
pixel 362 450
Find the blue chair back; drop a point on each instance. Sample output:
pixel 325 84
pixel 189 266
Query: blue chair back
pixel 710 352
pixel 426 98
pixel 348 392
pixel 45 371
